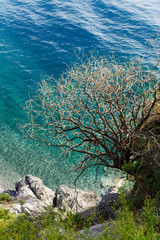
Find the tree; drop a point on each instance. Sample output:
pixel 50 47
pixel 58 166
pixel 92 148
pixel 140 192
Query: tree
pixel 106 111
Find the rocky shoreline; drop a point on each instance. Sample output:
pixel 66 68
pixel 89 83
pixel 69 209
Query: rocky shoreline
pixel 32 197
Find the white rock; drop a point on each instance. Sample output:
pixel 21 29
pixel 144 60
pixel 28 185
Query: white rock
pixel 75 200
pixel 113 180
pixel 30 196
pixel 42 192
pixel 32 206
pixel 23 189
pixel 117 184
pixel 15 208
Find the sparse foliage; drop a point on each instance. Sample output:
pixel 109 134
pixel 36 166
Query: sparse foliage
pixel 106 111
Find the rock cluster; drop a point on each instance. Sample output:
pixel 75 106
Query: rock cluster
pixel 31 196
pixel 75 200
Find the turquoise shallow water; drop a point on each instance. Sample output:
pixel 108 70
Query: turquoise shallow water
pixel 39 38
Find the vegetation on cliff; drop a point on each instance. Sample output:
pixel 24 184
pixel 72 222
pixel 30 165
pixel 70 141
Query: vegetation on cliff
pixel 129 224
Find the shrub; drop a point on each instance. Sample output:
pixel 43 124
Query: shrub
pixel 4 197
pixel 143 225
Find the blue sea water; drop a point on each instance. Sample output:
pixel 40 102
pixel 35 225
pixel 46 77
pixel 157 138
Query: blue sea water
pixel 39 38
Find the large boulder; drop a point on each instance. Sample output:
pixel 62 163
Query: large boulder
pixel 75 200
pixel 103 211
pixel 23 189
pixel 42 192
pixel 105 207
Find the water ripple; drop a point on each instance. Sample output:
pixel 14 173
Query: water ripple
pixel 40 37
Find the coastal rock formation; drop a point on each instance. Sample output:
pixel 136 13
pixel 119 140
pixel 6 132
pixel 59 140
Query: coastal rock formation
pixel 105 207
pixel 103 210
pixel 30 195
pixel 75 200
pixel 42 192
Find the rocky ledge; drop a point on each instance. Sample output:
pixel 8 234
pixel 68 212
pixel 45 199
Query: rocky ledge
pixel 31 196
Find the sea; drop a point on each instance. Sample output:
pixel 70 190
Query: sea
pixel 39 38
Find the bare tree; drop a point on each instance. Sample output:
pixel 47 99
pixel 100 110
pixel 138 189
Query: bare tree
pixel 106 111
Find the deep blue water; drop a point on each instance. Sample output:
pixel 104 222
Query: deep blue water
pixel 39 38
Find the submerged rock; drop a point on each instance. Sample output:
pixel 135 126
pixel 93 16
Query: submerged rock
pixel 113 180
